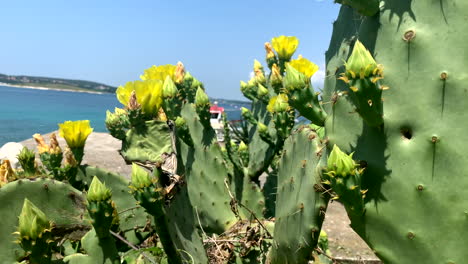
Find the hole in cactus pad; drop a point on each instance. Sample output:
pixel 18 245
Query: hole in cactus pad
pixel 406 132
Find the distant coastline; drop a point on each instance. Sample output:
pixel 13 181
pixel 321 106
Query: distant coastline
pixel 53 83
pixel 49 88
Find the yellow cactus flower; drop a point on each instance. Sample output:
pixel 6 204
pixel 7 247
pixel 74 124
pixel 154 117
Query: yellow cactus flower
pixel 159 72
pixel 148 94
pixel 285 46
pixel 75 132
pixel 278 103
pixel 304 66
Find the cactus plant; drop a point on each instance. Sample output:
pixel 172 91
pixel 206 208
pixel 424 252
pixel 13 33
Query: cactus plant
pixel 412 156
pixel 361 148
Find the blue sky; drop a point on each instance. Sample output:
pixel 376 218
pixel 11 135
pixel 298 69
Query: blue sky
pixel 114 41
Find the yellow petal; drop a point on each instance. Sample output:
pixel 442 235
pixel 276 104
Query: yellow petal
pixel 304 66
pixel 285 46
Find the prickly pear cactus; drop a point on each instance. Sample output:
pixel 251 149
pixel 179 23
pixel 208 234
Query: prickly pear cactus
pixel 413 160
pixel 62 204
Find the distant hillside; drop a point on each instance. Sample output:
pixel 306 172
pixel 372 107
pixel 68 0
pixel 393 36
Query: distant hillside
pixel 56 83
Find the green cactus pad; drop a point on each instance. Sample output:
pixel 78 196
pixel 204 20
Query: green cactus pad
pixel 61 203
pixel 300 203
pixel 147 143
pixel 415 165
pixel 98 250
pixel 205 172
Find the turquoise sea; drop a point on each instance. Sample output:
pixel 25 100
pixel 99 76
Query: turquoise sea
pixel 24 112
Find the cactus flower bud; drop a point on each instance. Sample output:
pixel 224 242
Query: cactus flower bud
pixel 140 177
pixel 269 51
pixel 262 128
pixel 196 84
pixel 275 77
pixel 285 46
pixel 233 144
pixel 7 174
pixel 244 111
pixel 180 122
pixel 169 88
pixel 262 91
pixel 294 80
pixel 243 147
pixel 32 221
pixel 243 86
pixel 361 62
pixel 98 191
pixel 270 55
pixel 188 77
pixel 27 159
pixel 179 72
pixel 201 98
pixel 278 104
pixel 339 163
pixel 260 77
pixel 257 66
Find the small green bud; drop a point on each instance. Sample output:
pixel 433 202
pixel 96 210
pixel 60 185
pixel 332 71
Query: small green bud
pixel 196 84
pixel 294 80
pixel 180 122
pixel 340 163
pixel 360 64
pixel 188 77
pixel 233 144
pixel 27 159
pixel 262 91
pixel 243 147
pixel 98 191
pixel 257 66
pixel 32 221
pixel 140 177
pixel 243 86
pixel 201 98
pixel 244 111
pixel 262 128
pixel 169 88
